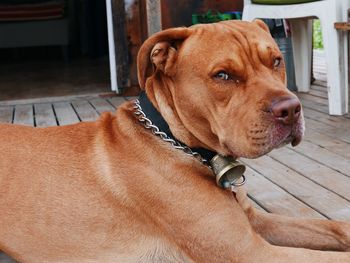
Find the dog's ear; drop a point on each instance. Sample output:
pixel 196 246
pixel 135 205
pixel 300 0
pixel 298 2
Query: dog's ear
pixel 261 24
pixel 157 52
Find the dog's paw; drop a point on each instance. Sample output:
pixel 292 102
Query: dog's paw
pixel 342 229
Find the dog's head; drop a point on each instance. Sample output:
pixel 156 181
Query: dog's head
pixel 222 86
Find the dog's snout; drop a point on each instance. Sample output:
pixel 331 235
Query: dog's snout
pixel 287 110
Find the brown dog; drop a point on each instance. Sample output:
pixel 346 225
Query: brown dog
pixel 111 191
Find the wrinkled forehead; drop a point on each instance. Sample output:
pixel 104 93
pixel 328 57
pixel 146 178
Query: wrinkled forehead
pixel 236 40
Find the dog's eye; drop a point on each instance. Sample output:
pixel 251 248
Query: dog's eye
pixel 277 62
pixel 222 75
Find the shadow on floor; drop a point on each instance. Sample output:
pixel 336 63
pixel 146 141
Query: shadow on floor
pixel 27 80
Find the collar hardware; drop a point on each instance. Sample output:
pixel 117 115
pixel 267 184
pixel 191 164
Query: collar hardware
pixel 228 171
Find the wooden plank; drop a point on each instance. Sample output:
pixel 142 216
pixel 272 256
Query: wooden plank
pixel 319 88
pixel 85 110
pixel 320 75
pixel 327 158
pixel 339 121
pixel 322 200
pixel 154 16
pixel 313 113
pixel 116 101
pixel 320 107
pixel 317 106
pixel 314 171
pixel 314 105
pixel 6 114
pixel 331 144
pixel 310 98
pixel 320 84
pixel 47 99
pixel 274 199
pixel 44 115
pixel 318 93
pixel 321 70
pixel 319 62
pixel 24 115
pixel 65 113
pixel 344 26
pixel 102 105
pixel 332 131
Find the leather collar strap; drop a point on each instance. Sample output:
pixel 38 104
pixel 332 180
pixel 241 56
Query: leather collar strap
pixel 157 119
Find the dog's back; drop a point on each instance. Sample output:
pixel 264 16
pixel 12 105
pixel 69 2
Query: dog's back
pixel 49 190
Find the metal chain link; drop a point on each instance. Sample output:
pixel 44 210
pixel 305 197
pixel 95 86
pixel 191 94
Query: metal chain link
pixel 147 123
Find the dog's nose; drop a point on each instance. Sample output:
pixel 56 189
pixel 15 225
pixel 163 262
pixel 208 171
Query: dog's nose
pixel 287 110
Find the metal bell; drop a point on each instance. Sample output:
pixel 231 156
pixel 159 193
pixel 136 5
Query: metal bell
pixel 227 171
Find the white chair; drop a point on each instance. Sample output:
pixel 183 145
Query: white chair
pixel 335 43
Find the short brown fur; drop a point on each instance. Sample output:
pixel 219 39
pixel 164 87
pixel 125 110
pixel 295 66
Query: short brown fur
pixel 110 191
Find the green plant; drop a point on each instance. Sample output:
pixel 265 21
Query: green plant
pixel 317 35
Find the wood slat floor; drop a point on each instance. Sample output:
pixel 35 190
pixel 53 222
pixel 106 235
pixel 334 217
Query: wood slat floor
pixel 311 180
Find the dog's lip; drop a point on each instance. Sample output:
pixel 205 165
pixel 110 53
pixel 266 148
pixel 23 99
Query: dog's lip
pixel 272 136
pixel 284 135
pixel 296 139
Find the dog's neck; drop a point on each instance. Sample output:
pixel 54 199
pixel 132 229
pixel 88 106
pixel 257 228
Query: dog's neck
pixel 157 119
pixel 227 170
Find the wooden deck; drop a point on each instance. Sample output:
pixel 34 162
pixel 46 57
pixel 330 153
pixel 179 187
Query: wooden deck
pixel 311 180
pixel 60 111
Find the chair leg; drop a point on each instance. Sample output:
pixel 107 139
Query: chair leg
pixel 336 52
pixel 302 52
pixel 247 14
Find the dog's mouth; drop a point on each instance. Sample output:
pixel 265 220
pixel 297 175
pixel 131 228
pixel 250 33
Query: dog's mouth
pixel 293 139
pixel 263 139
pixel 282 135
